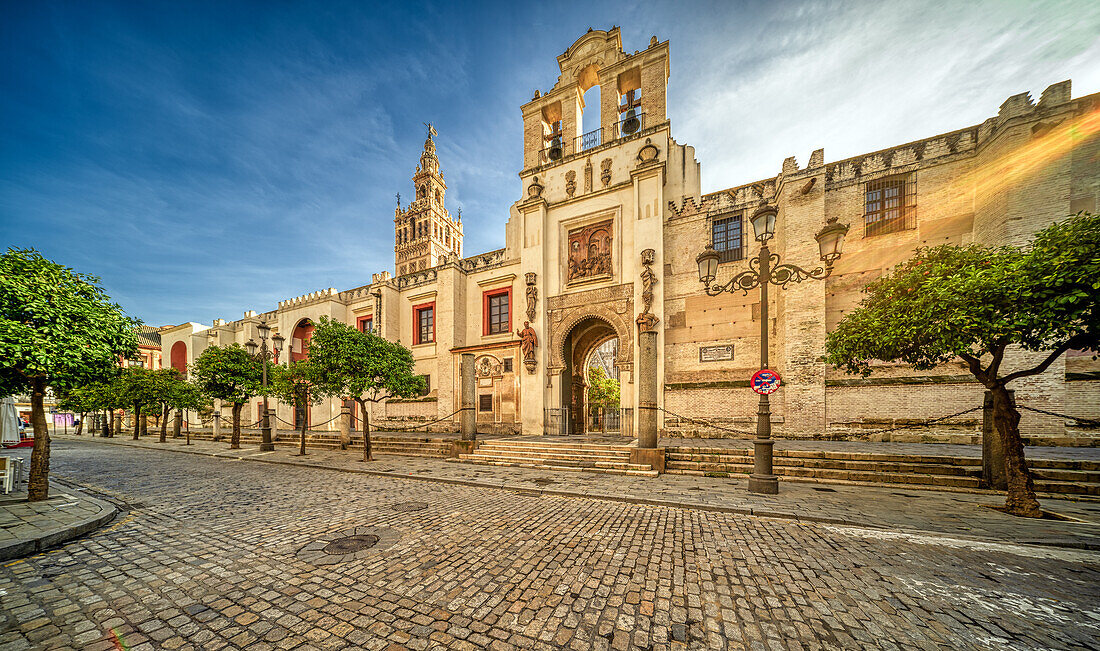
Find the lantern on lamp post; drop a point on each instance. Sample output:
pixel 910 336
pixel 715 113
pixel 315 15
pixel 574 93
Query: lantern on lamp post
pixel 266 444
pixel 763 270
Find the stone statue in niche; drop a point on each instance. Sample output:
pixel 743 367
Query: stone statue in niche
pixel 528 340
pixel 647 321
pixel 570 183
pixel 590 251
pixel 532 295
pixel 588 176
pixel 605 172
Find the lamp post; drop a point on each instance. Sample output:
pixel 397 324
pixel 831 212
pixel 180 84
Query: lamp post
pixel 765 269
pixel 266 444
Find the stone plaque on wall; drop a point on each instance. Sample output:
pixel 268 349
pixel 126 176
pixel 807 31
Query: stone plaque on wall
pixel 590 252
pixel 716 353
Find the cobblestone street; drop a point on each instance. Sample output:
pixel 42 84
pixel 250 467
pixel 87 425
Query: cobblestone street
pixel 217 553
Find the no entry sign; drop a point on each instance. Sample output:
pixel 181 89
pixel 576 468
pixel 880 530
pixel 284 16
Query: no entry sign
pixel 764 381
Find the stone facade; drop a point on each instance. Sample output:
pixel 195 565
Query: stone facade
pixel 602 244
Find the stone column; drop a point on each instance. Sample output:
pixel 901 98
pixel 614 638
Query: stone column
pixel 345 425
pixel 468 417
pixel 647 389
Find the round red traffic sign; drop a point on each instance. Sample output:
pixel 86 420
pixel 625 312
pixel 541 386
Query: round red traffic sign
pixel 764 381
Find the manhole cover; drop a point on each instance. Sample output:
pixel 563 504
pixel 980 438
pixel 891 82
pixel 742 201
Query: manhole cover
pixel 350 544
pixel 407 507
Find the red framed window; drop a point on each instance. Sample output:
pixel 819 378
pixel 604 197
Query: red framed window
pixel 364 323
pixel 496 311
pixel 424 323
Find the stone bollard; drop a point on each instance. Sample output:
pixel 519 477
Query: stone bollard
pixel 345 426
pixel 217 425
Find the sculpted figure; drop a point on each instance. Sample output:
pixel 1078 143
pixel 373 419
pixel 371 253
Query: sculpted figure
pixel 527 341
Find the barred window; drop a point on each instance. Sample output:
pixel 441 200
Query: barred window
pixel 427 384
pixel 485 402
pixel 890 205
pixel 726 238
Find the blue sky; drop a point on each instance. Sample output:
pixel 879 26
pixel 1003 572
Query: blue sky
pixel 206 158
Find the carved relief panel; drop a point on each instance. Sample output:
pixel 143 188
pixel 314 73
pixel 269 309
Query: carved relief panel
pixel 590 252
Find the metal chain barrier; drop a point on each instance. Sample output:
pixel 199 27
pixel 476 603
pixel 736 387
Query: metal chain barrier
pixel 705 422
pixel 1079 419
pixel 922 423
pixel 417 427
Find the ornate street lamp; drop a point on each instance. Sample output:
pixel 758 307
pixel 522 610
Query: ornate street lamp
pixel 266 444
pixel 765 269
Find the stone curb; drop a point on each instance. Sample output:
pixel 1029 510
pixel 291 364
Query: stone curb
pixel 55 537
pixel 611 497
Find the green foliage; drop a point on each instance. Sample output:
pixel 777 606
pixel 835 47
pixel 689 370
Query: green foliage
pixel 57 325
pixel 175 392
pixel 361 365
pixel 94 396
pixel 296 383
pixel 137 388
pixel 228 373
pixel 969 301
pixel 603 391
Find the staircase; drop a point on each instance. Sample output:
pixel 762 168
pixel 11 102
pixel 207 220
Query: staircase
pixel 1076 477
pixel 380 444
pixel 553 455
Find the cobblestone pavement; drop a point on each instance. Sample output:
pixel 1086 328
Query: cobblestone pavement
pixel 210 554
pixel 892 507
pixel 26 527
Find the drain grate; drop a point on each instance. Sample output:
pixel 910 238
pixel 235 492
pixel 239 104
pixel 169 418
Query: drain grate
pixel 350 544
pixel 409 507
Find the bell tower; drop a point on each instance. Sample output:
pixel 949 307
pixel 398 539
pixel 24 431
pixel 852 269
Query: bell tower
pixel 424 232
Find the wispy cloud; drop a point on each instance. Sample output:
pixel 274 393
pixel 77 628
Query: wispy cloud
pixel 210 159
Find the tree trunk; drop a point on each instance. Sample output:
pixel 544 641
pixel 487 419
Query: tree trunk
pixel 164 423
pixel 137 421
pixel 235 438
pixel 1021 498
pixel 368 454
pixel 145 426
pixel 38 481
pixel 302 431
pixel 177 423
pixel 80 425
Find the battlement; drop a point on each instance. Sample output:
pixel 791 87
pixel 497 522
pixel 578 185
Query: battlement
pixel 305 299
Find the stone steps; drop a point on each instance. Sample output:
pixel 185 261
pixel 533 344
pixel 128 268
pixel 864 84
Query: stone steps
pixel 607 468
pixel 1080 477
pixel 556 455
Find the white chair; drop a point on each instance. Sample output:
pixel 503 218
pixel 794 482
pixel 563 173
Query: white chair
pixel 7 474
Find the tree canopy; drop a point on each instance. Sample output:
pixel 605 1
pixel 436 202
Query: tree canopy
pixel 58 328
pixel 972 302
pixel 229 373
pixel 362 366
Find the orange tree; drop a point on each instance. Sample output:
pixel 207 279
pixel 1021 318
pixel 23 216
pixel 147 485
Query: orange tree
pixel 59 330
pixel 363 367
pixel 296 384
pixel 973 303
pixel 230 374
